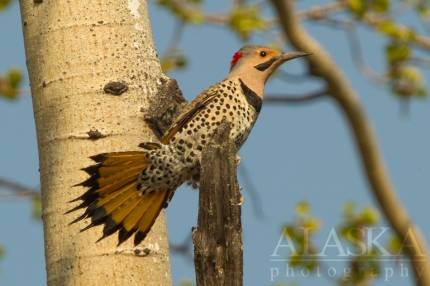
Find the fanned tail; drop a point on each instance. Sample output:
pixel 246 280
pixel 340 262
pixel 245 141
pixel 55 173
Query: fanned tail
pixel 113 198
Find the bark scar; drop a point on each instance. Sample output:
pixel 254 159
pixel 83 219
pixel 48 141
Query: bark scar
pixel 94 134
pixel 115 87
pixel 164 107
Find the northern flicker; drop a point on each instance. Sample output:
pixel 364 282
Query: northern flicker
pixel 127 190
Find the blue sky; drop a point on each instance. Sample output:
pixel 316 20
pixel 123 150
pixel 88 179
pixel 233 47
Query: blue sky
pixel 295 152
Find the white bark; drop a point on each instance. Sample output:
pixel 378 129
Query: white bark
pixel 73 49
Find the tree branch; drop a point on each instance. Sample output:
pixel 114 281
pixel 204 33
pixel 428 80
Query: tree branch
pixel 218 254
pixel 18 189
pixel 291 77
pixel 358 59
pixel 254 195
pixel 288 99
pixel 339 88
pixel 372 20
pixel 375 21
pixel 314 13
pixel 356 50
pixel 318 12
pixel 183 248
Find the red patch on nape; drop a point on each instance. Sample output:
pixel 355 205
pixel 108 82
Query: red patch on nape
pixel 235 58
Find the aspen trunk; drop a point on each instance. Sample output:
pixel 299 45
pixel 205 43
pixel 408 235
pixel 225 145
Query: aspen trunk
pixel 93 72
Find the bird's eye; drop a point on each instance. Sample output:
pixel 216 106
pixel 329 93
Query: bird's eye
pixel 263 54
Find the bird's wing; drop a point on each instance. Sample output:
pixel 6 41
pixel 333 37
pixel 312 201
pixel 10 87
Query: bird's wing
pixel 199 103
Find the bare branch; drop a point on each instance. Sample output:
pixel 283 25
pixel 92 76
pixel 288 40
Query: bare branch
pixel 18 190
pixel 288 99
pixel 319 12
pixel 420 61
pixel 372 20
pixel 184 248
pixel 290 77
pixel 254 195
pixel 314 13
pixel 178 32
pixel 358 59
pixel 375 21
pixel 216 19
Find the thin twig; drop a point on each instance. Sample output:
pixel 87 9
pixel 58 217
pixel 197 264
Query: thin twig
pixel 318 12
pixel 252 191
pixel 420 61
pixel 370 19
pixel 287 99
pixel 184 248
pixel 18 190
pixel 358 59
pixel 178 32
pixel 355 49
pixel 313 13
pixel 290 77
pixel 418 40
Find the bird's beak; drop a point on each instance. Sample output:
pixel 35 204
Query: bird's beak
pixel 284 57
pixel 292 55
pixel 272 64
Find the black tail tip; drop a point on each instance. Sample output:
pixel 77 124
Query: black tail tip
pixel 123 235
pixel 139 237
pixel 99 157
pixel 87 227
pixel 101 238
pixel 79 218
pixel 91 170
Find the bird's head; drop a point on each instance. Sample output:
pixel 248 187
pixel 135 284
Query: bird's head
pixel 255 64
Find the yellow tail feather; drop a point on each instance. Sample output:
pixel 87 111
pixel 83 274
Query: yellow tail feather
pixel 133 218
pixel 119 214
pixel 151 214
pixel 114 203
pixel 114 200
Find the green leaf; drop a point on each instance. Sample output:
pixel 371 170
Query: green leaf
pixel 395 245
pixel 9 84
pixel 395 31
pixel 311 224
pixel 360 7
pixel 186 282
pixel 369 216
pixel 173 61
pixel 15 77
pixel 244 20
pixel 190 13
pixel 423 11
pixel 407 81
pixel 348 210
pixel 397 51
pixel 2 251
pixel 380 6
pixel 421 92
pixel 302 208
pixel 4 4
pixel 295 260
pixel 289 231
pixel 357 7
pixel 36 207
pixel 411 74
